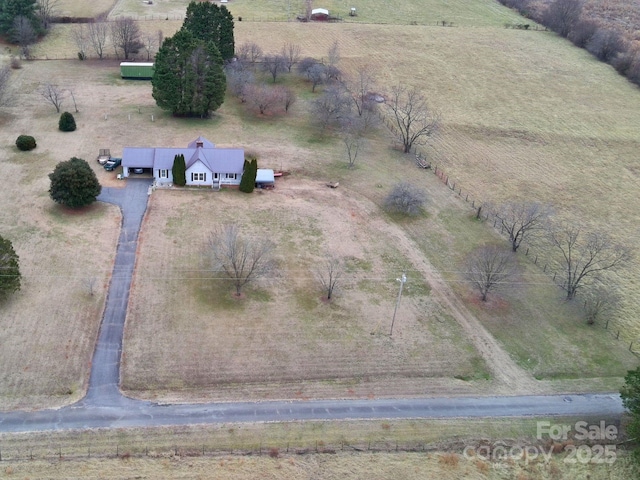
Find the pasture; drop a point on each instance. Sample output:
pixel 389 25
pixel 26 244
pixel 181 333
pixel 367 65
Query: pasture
pixel 524 115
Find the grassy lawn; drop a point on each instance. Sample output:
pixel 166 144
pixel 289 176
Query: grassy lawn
pixel 282 331
pixel 524 115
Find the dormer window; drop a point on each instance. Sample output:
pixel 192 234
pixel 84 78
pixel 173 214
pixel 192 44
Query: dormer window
pixel 199 144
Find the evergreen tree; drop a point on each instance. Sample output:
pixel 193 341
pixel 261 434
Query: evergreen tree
pixel 74 183
pixel 9 268
pixel 188 78
pixel 12 9
pixel 211 23
pixel 67 123
pixel 248 181
pixel 179 170
pixel 245 182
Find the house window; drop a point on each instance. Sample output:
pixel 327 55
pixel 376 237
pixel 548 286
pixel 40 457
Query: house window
pixel 198 177
pixel 231 175
pixel 215 176
pixel 164 173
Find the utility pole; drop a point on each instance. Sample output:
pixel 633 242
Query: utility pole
pixel 402 281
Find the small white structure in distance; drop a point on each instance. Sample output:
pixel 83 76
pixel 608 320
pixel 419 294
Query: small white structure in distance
pixel 319 14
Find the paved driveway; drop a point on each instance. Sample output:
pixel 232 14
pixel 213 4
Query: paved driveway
pixel 105 368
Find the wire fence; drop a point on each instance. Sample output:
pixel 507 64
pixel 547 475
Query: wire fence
pixel 273 449
pixel 538 257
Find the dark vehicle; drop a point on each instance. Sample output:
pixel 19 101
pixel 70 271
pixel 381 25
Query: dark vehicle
pixel 112 164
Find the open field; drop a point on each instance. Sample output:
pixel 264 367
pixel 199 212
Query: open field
pixel 282 336
pixel 571 146
pixel 432 449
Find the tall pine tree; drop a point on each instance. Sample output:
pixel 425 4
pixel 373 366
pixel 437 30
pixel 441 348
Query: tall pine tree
pixel 211 23
pixel 179 170
pixel 188 78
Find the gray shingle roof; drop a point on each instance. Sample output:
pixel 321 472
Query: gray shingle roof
pixel 218 160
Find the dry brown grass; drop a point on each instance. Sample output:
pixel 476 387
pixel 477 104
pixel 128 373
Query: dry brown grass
pixel 564 130
pixel 281 331
pixel 410 466
pixel 177 452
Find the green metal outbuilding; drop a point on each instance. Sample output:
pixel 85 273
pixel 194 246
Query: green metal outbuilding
pixel 139 70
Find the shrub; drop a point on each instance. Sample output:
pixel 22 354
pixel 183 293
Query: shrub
pixel 26 143
pixel 605 45
pixel 67 123
pixel 405 198
pixel 74 183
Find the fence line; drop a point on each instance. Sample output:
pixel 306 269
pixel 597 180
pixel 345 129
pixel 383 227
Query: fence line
pixel 272 449
pixel 488 217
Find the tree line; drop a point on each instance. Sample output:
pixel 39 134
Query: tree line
pixel 568 19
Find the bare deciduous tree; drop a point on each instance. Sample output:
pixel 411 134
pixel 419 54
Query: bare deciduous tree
pixel 352 142
pixel 291 53
pixel 315 74
pixel 582 32
pixel 584 256
pixel 239 79
pixel 562 15
pixel 45 11
pixel 98 33
pixel 414 122
pixel 521 220
pixel 359 87
pixel 149 41
pixel 489 268
pixel 261 97
pixel 125 36
pixel 80 36
pixel 241 259
pixel 249 53
pixel 601 301
pixel 90 284
pixel 23 34
pixel 288 97
pixel 332 107
pixel 329 275
pixel 53 94
pixel 274 64
pixel 405 198
pixel 605 45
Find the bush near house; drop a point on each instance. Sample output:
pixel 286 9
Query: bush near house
pixel 26 143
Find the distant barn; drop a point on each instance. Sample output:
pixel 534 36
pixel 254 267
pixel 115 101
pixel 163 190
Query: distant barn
pixel 321 14
pixel 138 70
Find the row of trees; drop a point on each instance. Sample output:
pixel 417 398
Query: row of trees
pixel 568 19
pixel 584 258
pixel 122 34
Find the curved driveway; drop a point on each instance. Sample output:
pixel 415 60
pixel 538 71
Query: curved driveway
pixel 104 406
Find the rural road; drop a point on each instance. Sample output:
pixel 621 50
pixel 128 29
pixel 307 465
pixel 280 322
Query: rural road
pixel 105 407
